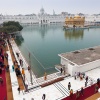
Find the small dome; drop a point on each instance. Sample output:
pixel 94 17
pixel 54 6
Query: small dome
pixel 77 16
pixel 42 10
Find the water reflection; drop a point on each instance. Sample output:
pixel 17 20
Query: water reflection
pixel 74 34
pixel 19 39
pixel 42 29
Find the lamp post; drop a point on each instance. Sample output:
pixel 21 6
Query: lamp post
pixel 30 69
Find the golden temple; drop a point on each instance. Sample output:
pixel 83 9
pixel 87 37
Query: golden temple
pixel 76 21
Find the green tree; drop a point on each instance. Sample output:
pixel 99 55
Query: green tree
pixel 13 23
pixel 11 26
pixel 9 29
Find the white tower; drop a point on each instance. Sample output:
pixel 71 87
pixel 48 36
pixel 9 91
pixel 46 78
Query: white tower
pixel 42 11
pixel 53 12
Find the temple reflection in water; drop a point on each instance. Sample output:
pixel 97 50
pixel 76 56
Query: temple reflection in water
pixel 74 34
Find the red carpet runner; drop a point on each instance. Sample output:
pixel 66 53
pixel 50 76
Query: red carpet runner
pixel 87 93
pixel 3 88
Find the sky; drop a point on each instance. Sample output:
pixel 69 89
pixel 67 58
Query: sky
pixel 14 7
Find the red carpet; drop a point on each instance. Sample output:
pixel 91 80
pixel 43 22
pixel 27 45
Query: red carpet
pixel 87 93
pixel 3 88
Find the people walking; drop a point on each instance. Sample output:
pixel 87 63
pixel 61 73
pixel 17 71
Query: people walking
pixel 98 81
pixel 21 62
pixel 45 76
pixel 75 75
pixel 96 88
pixel 69 86
pixel 64 70
pixel 85 84
pixel 61 70
pixel 83 74
pixel 71 93
pixel 28 68
pixel 26 86
pixel 14 62
pixel 1 80
pixel 43 97
pixel 77 94
pixel 82 90
pixel 18 90
pixel 7 68
pixel 91 82
pixel 13 68
pixel 86 79
pixel 6 56
pixel 81 77
pixel 23 74
pixel 18 66
pixel 17 54
pixel 79 74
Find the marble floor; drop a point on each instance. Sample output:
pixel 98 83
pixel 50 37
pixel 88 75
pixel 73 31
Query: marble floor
pixel 94 74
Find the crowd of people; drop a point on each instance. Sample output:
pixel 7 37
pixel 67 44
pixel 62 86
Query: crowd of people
pixel 2 66
pixel 81 91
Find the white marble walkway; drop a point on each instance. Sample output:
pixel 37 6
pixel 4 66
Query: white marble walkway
pixel 94 74
pixel 25 66
pixel 52 93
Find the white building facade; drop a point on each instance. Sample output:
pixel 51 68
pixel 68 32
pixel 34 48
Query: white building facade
pixel 41 18
pixel 81 60
pixel 44 18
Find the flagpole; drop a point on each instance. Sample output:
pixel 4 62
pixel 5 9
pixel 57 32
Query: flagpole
pixel 30 69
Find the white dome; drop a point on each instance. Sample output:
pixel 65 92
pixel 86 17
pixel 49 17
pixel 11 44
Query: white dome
pixel 42 10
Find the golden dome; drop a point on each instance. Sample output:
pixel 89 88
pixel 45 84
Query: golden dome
pixel 77 16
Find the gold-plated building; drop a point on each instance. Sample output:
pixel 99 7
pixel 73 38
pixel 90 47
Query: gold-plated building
pixel 76 21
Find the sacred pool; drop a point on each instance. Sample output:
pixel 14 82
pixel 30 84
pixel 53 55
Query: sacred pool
pixel 45 42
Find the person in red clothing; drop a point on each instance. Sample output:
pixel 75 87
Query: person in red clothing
pixel 71 93
pixel 77 94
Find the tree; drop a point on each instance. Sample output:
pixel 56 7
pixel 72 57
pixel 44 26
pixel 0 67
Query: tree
pixel 13 23
pixel 10 27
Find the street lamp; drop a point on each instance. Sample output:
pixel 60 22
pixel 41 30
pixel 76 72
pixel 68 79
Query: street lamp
pixel 30 69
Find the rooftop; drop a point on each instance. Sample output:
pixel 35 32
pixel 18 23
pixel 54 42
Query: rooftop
pixel 83 56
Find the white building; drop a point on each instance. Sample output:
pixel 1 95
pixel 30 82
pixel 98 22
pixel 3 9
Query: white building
pixel 44 18
pixel 41 18
pixel 81 60
pixel 92 19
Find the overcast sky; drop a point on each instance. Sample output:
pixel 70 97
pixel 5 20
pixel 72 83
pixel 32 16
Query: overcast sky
pixel 14 7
